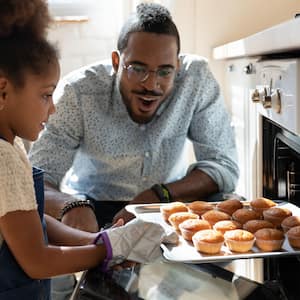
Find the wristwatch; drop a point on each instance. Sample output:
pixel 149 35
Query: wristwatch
pixel 162 193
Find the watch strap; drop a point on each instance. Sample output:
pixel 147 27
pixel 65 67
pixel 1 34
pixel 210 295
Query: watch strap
pixel 162 192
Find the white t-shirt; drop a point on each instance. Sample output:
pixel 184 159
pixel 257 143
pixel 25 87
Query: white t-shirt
pixel 16 183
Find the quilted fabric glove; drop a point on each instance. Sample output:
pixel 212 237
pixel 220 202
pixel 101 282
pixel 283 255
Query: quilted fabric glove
pixel 137 241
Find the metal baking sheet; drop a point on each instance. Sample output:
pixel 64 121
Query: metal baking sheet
pixel 185 252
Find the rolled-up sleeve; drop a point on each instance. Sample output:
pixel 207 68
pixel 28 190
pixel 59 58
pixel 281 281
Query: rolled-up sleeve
pixel 212 135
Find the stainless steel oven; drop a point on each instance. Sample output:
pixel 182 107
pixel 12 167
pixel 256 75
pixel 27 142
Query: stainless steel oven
pixel 277 177
pixel 278 96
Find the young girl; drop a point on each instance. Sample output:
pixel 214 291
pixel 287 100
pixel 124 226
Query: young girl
pixel 33 246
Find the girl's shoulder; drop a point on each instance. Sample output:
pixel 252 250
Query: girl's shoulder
pixel 13 157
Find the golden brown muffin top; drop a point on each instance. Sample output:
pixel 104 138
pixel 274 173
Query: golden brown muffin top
pixel 226 225
pixel 229 206
pixel 239 235
pixel 291 221
pixel 174 206
pixel 294 232
pixel 262 203
pixel 254 225
pixel 269 234
pixel 243 215
pixel 209 236
pixel 213 216
pixel 194 224
pixel 277 212
pixel 181 216
pixel 200 205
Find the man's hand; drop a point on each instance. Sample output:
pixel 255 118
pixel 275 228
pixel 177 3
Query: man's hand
pixel 123 214
pixel 81 218
pixel 147 196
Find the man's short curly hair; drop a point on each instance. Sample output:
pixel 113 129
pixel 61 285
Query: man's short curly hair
pixel 149 17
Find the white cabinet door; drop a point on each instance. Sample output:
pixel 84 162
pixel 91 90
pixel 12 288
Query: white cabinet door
pixel 240 83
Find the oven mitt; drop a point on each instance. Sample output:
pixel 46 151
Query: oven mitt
pixel 137 241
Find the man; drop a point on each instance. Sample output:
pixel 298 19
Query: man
pixel 121 128
pixel 120 132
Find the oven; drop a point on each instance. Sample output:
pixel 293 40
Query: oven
pixel 275 140
pixel 277 95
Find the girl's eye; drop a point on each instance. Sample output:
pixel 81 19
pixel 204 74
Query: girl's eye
pixel 47 97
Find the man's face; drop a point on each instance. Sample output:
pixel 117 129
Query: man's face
pixel 146 72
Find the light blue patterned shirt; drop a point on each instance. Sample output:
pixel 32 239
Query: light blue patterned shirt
pixel 107 156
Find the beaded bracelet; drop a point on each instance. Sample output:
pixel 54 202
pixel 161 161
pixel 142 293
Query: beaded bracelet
pixel 77 203
pixel 162 193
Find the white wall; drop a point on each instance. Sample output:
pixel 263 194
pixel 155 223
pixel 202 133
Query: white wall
pixel 203 24
pixel 81 43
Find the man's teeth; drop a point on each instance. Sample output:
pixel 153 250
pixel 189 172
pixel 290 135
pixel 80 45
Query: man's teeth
pixel 147 99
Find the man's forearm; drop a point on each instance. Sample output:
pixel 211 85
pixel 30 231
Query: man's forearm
pixel 196 185
pixel 55 200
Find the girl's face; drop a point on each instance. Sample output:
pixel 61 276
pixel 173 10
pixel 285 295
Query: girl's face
pixel 25 111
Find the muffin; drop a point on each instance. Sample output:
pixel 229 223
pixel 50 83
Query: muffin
pixel 261 204
pixel 269 239
pixel 200 207
pixel 254 225
pixel 290 222
pixel 208 241
pixel 276 215
pixel 243 215
pixel 239 240
pixel 189 227
pixel 293 236
pixel 177 218
pixel 214 216
pixel 229 206
pixel 226 225
pixel 171 208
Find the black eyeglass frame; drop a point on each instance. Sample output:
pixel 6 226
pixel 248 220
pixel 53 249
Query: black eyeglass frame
pixel 141 73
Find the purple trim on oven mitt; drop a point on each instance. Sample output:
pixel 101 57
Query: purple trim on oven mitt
pixel 105 239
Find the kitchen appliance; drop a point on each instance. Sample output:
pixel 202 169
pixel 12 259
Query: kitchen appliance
pixel 277 95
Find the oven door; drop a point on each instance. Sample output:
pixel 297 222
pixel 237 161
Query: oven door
pixel 278 106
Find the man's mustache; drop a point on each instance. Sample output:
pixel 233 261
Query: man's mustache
pixel 148 93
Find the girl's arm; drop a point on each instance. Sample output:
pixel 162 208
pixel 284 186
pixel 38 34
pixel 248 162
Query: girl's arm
pixel 22 231
pixel 60 234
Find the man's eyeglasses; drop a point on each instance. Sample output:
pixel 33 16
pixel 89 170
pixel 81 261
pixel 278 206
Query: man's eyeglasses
pixel 137 72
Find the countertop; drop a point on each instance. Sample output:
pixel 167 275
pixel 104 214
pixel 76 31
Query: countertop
pixel 284 37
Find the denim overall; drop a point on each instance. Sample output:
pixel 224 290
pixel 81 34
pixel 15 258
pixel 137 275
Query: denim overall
pixel 14 283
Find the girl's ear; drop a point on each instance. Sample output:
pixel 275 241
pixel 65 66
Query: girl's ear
pixel 3 91
pixel 115 58
pixel 3 83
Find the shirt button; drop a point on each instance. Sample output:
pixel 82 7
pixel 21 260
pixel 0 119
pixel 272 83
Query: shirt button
pixel 143 127
pixel 144 178
pixel 147 154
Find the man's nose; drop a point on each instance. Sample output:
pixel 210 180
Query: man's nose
pixel 150 81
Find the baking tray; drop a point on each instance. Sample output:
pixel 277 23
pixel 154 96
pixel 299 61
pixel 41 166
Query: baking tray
pixel 185 252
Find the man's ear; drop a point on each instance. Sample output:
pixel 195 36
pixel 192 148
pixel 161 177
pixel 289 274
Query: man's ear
pixel 115 58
